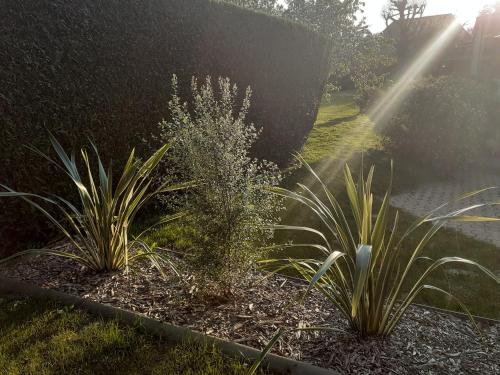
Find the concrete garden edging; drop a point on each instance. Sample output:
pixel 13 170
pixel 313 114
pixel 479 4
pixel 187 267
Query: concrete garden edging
pixel 458 314
pixel 169 332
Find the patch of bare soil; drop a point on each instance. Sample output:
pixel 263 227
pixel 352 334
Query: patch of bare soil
pixel 426 342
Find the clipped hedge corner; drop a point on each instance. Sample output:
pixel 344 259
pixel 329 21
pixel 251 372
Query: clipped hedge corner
pixel 101 69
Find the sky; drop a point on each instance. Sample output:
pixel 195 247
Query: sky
pixel 465 10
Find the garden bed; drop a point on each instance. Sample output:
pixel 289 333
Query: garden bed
pixel 425 341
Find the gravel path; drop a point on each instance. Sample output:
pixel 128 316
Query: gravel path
pixel 429 196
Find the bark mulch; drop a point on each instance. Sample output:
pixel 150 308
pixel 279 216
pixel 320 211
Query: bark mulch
pixel 425 342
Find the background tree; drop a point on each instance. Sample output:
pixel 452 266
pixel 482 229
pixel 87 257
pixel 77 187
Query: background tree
pixel 396 10
pixel 491 8
pixel 341 21
pixel 268 6
pixel 373 57
pixel 357 56
pixel 402 11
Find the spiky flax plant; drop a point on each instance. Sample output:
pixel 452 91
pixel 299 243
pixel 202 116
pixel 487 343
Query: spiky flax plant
pixel 368 271
pixel 98 228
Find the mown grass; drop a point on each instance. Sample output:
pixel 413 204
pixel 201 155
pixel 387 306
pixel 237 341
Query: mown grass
pixel 353 133
pixel 343 134
pixel 41 337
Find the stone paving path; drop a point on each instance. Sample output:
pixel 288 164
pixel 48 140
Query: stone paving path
pixel 429 196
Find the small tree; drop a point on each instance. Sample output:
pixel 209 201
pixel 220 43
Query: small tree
pixel 400 10
pixel 403 11
pixel 231 213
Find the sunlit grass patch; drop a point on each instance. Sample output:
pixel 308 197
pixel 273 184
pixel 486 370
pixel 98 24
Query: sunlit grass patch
pixel 175 235
pixel 479 293
pixel 341 140
pixel 340 132
pixel 40 337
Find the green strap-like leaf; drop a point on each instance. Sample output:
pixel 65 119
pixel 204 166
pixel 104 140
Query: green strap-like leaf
pixel 329 261
pixel 363 259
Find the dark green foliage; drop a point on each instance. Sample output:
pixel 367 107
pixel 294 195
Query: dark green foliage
pixel 101 69
pixel 367 97
pixel 448 123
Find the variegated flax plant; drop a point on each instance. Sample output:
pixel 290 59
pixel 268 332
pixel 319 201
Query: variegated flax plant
pixel 366 268
pixel 98 228
pixel 367 272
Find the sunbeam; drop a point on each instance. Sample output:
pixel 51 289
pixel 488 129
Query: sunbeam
pixel 386 106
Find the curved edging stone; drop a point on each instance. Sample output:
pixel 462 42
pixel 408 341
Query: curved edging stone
pixel 169 332
pixel 458 314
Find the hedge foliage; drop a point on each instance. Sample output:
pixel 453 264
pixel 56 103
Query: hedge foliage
pixel 449 123
pixel 101 69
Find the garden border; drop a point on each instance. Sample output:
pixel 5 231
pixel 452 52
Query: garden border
pixel 169 332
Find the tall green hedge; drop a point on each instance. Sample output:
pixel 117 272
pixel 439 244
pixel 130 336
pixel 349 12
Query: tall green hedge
pixel 101 69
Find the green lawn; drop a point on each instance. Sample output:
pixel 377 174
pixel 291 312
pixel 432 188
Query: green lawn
pixel 342 134
pixel 340 130
pixel 40 337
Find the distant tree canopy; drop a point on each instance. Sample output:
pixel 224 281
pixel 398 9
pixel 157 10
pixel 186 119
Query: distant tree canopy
pixel 340 21
pixel 396 10
pixel 269 6
pixel 491 8
pixel 356 53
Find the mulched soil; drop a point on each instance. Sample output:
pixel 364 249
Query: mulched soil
pixel 426 342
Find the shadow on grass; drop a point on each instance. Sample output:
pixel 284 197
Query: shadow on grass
pixel 337 121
